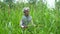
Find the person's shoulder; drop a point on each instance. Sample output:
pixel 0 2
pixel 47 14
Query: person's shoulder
pixel 23 17
pixel 30 17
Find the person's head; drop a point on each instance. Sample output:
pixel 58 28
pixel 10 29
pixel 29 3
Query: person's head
pixel 26 11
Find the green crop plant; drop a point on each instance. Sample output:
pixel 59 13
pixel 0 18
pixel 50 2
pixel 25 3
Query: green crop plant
pixel 47 21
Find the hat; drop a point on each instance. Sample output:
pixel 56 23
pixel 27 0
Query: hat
pixel 25 8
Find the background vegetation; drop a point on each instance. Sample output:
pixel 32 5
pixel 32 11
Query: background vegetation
pixel 47 21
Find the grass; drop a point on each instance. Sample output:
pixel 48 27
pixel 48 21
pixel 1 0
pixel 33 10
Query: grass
pixel 47 21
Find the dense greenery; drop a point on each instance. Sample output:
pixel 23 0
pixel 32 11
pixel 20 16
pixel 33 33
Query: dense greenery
pixel 47 21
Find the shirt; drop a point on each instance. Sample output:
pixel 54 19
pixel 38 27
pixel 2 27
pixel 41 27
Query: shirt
pixel 26 20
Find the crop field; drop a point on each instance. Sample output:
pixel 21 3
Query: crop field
pixel 47 21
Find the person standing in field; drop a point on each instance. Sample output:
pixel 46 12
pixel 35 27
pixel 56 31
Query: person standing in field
pixel 26 18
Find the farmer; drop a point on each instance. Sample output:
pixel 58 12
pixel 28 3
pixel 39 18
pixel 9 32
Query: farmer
pixel 26 18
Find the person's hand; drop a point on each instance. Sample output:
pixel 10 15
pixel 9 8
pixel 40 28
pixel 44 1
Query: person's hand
pixel 24 27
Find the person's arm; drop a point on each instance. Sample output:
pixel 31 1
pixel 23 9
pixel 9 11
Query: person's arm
pixel 22 24
pixel 32 23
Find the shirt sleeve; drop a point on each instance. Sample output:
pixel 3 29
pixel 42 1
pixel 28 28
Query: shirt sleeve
pixel 22 21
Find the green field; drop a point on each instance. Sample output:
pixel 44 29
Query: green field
pixel 47 21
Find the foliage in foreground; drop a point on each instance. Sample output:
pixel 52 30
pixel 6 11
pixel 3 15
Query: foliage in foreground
pixel 47 21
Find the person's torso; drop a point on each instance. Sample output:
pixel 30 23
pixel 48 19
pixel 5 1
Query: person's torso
pixel 26 20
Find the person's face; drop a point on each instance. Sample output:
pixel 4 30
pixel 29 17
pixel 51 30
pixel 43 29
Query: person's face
pixel 26 12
